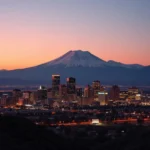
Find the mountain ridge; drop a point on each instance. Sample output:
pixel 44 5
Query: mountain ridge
pixel 67 60
pixel 82 65
pixel 85 59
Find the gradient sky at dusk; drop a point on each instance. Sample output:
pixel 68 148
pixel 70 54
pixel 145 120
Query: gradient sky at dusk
pixel 36 31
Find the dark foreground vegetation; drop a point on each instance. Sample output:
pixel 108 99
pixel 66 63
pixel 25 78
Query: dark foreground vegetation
pixel 21 134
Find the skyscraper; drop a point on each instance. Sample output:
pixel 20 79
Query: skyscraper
pixel 55 85
pixel 103 98
pixel 96 88
pixel 42 94
pixel 88 91
pixel 114 93
pixel 71 85
pixel 79 92
pixel 62 91
pixel 26 97
pixel 16 95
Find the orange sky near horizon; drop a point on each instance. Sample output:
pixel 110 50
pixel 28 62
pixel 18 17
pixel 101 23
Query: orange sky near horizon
pixel 28 47
pixel 37 33
pixel 31 50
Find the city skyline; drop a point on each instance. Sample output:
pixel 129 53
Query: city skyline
pixel 35 32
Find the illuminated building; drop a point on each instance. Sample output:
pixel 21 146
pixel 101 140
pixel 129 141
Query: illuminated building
pixel 96 88
pixel 102 88
pixel 3 100
pixel 55 85
pixel 114 93
pixel 88 91
pixel 71 85
pixel 49 93
pixel 95 121
pixel 6 98
pixel 20 102
pixel 123 95
pixel 138 97
pixel 26 97
pixel 132 92
pixel 63 91
pixel 87 100
pixel 79 92
pixel 42 94
pixel 103 98
pixel 33 97
pixel 16 95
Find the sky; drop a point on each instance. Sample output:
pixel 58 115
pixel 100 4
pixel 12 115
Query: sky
pixel 37 31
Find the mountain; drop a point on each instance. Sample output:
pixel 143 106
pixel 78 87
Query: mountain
pixel 82 65
pixel 77 58
pixel 119 64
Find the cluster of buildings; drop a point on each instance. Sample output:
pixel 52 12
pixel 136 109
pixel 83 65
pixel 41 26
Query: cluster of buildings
pixel 69 95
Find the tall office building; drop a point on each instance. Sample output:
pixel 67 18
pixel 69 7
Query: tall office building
pixel 114 93
pixel 55 85
pixel 42 94
pixel 133 93
pixel 49 93
pixel 88 91
pixel 26 97
pixel 103 98
pixel 33 97
pixel 16 95
pixel 71 85
pixel 63 91
pixel 96 88
pixel 79 92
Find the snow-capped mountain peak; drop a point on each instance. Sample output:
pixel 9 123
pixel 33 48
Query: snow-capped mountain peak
pixel 77 58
